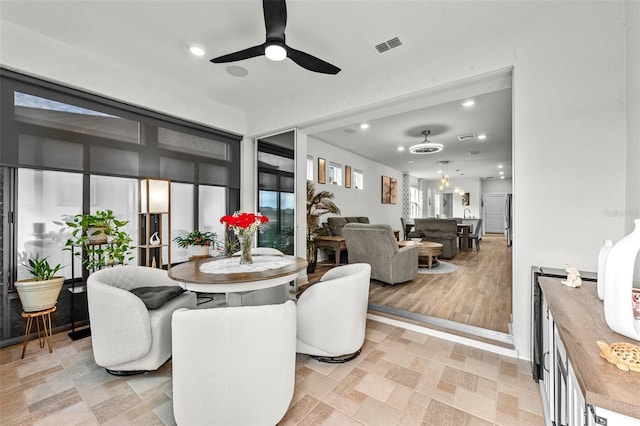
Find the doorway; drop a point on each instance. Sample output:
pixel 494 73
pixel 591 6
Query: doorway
pixel 494 213
pixel 276 191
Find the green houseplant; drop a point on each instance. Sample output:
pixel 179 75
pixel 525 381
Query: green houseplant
pixel 41 291
pixel 200 242
pixel 101 236
pixel 318 204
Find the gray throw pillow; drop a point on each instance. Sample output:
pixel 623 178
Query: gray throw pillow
pixel 155 297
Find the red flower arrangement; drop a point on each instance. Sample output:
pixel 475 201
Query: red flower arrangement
pixel 243 223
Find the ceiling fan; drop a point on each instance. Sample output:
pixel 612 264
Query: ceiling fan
pixel 275 48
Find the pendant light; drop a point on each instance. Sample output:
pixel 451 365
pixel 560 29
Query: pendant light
pixel 444 181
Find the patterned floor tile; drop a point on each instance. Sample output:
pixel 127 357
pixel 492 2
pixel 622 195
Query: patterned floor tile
pixel 402 377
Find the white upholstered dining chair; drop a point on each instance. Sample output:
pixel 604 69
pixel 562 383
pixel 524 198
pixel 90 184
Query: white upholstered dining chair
pixel 332 314
pixel 234 366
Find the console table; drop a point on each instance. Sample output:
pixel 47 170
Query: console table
pixel 333 242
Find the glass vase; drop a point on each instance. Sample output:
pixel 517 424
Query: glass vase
pixel 246 242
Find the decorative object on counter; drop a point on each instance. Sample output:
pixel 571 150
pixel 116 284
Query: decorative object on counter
pixel 245 225
pixel 618 280
pixel 635 302
pixel 623 355
pixel 41 291
pixel 602 258
pixel 573 277
pixel 155 239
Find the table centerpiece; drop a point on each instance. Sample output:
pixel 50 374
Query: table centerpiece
pixel 244 225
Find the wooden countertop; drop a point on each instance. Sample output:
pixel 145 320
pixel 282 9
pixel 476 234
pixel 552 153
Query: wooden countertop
pixel 579 317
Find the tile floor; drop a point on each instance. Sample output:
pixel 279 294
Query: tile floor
pixel 402 377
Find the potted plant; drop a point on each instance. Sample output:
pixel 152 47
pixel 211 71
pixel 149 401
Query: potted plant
pixel 100 234
pixel 41 291
pixel 200 242
pixel 318 204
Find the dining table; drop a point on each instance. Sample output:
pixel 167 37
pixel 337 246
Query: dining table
pixel 265 281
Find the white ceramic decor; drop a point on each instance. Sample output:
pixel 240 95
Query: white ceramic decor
pixel 602 258
pixel 618 278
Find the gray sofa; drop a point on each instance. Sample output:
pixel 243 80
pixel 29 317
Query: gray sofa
pixel 443 231
pixel 377 246
pixel 335 224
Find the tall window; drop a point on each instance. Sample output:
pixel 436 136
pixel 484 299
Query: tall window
pixel 276 198
pixel 358 179
pixel 310 168
pixel 335 173
pixel 415 201
pixel 72 152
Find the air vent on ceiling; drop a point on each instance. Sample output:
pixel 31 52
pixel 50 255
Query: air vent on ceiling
pixel 469 137
pixel 388 45
pixel 475 152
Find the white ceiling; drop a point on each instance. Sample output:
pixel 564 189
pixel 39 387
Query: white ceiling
pixel 153 37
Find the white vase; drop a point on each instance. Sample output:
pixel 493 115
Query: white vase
pixel 618 280
pixel 602 258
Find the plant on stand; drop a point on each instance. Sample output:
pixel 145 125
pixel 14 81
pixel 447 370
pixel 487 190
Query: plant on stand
pixel 101 236
pixel 318 204
pixel 200 242
pixel 41 291
pixel 244 225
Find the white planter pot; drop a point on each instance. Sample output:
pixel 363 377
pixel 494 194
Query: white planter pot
pixel 38 295
pixel 200 250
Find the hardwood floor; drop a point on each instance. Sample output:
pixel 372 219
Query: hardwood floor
pixel 478 294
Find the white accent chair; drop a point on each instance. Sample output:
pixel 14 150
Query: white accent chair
pixel 233 366
pixel 332 314
pixel 127 337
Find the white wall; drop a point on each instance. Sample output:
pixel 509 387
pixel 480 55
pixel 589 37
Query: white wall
pixel 26 51
pixel 632 100
pixel 497 185
pixel 569 91
pixel 355 202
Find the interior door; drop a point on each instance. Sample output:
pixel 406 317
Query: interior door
pixel 494 213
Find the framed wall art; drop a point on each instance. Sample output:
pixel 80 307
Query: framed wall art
pixel 389 190
pixel 322 170
pixel 347 176
pixel 465 199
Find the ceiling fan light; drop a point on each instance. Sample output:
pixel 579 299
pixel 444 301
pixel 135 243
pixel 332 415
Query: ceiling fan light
pixel 275 52
pixel 426 148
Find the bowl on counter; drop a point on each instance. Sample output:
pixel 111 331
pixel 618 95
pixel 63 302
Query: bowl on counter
pixel 416 240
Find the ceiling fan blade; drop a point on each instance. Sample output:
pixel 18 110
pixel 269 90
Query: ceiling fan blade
pixel 311 62
pixel 275 18
pixel 251 52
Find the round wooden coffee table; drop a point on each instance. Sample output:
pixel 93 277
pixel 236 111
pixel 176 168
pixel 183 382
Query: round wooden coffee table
pixel 428 252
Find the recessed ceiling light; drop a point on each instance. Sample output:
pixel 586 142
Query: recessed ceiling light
pixel 501 177
pixel 401 148
pixel 499 166
pixel 411 161
pixel 364 126
pixel 482 136
pixel 501 173
pixel 196 50
pixel 468 103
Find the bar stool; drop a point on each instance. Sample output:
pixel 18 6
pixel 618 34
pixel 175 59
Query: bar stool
pixel 45 317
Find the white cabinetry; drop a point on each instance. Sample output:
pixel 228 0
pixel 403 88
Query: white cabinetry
pixel 564 400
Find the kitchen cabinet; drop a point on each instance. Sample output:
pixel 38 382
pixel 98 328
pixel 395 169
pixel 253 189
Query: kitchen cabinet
pixel 577 386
